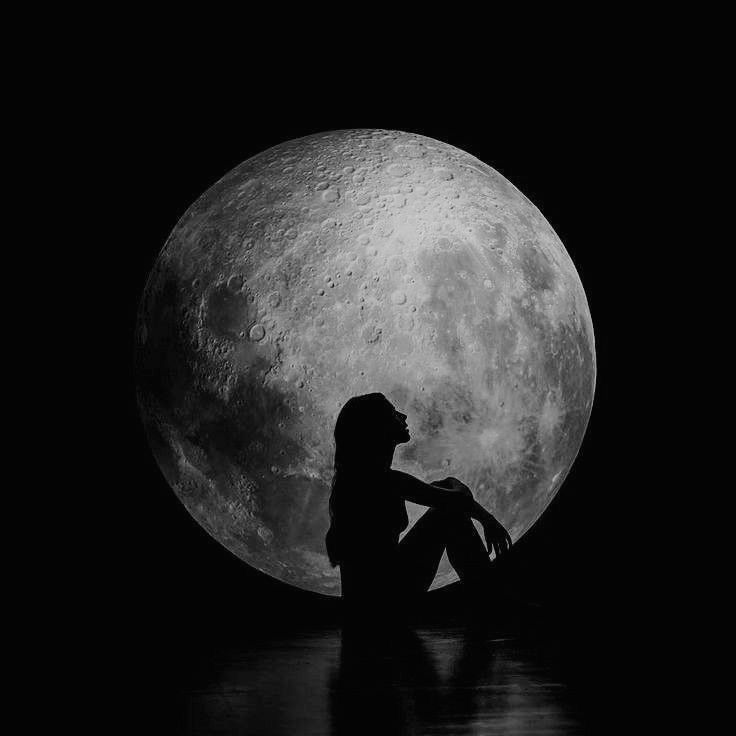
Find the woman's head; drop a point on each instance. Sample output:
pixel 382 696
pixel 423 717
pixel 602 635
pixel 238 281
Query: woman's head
pixel 367 430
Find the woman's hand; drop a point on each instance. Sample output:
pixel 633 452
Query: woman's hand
pixel 497 538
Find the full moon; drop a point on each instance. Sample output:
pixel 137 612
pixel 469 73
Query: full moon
pixel 345 263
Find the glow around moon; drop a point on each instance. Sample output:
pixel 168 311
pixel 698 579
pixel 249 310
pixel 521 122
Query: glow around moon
pixel 345 263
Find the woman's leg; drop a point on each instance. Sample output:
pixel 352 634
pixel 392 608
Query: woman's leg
pixel 420 551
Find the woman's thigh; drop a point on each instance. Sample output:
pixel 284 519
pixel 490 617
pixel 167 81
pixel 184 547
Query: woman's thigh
pixel 420 552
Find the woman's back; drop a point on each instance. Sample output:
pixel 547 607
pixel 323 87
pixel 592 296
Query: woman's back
pixel 368 516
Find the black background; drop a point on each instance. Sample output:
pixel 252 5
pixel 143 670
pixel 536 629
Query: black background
pixel 579 149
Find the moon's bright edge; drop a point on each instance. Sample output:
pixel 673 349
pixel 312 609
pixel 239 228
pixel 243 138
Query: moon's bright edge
pixel 345 263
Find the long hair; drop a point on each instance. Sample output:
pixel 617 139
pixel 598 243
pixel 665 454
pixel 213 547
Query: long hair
pixel 360 432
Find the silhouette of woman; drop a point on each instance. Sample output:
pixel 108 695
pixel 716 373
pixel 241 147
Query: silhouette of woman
pixel 368 513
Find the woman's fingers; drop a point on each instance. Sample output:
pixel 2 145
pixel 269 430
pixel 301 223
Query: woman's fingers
pixel 489 541
pixel 503 542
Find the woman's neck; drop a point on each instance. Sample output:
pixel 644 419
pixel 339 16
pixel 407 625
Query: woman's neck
pixel 378 459
pixel 386 457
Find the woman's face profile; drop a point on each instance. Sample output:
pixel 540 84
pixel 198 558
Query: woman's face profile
pixel 397 425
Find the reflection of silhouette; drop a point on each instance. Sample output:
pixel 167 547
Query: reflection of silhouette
pixel 368 513
pixel 395 687
pixel 370 680
pixel 365 695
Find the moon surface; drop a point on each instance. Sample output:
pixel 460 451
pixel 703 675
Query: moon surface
pixel 345 263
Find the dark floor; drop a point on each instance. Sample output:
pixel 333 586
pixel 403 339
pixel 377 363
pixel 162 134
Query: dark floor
pixel 429 678
pixel 444 681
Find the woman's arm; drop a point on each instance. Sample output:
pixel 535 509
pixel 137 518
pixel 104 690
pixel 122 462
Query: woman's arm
pixel 458 498
pixel 426 494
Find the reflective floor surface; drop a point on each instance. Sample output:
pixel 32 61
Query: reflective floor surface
pixel 423 680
